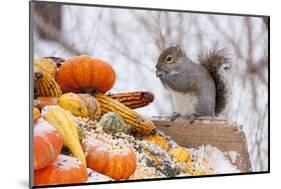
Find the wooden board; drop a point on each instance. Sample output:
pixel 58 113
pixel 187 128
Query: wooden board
pixel 227 136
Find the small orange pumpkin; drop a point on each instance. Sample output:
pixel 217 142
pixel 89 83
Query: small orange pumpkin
pixel 83 73
pixel 36 113
pixel 47 144
pixel 106 158
pixel 65 170
pixel 43 101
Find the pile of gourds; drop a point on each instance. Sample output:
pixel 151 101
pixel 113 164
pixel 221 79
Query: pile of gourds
pixel 77 87
pixel 87 74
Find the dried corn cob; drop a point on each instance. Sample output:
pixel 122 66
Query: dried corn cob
pixel 134 100
pixel 45 84
pixel 138 122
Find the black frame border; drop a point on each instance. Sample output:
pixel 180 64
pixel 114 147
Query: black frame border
pixel 31 54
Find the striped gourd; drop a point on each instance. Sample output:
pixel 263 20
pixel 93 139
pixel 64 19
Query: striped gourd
pixel 113 123
pixel 46 85
pixel 139 123
pixel 45 65
pixel 134 100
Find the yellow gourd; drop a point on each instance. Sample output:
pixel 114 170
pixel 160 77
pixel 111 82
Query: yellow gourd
pixel 72 103
pixel 180 154
pixel 83 105
pixel 61 120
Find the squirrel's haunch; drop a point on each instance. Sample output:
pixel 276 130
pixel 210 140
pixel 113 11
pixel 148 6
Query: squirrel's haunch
pixel 213 61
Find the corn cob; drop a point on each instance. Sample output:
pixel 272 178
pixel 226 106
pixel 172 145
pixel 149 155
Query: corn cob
pixel 134 100
pixel 45 84
pixel 139 123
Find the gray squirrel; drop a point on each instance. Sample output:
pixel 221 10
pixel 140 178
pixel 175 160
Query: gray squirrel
pixel 197 89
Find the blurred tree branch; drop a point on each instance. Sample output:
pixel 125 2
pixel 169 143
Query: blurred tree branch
pixel 54 34
pixel 222 31
pixel 51 14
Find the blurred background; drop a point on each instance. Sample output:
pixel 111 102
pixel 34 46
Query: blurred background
pixel 131 40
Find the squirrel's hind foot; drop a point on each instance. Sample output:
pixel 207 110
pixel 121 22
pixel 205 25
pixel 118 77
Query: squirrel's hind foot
pixel 175 116
pixel 193 117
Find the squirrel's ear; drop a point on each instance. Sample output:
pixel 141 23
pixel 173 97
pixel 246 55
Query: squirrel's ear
pixel 175 45
pixel 178 47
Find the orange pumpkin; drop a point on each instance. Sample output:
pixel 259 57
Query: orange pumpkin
pixel 36 113
pixel 108 159
pixel 47 144
pixel 65 170
pixel 83 73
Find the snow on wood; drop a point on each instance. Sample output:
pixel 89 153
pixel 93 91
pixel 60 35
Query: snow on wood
pixel 226 136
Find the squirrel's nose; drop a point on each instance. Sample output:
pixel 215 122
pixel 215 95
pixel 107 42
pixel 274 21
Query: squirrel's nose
pixel 160 73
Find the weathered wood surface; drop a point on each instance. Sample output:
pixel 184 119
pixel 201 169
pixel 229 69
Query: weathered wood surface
pixel 227 136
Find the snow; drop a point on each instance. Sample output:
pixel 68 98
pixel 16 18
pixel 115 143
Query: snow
pixel 97 177
pixel 232 155
pixel 46 108
pixel 215 157
pixel 42 127
pixel 104 143
pixel 67 162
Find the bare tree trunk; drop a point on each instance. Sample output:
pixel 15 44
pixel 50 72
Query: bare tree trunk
pixel 51 14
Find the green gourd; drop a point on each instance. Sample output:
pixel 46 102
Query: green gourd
pixel 113 123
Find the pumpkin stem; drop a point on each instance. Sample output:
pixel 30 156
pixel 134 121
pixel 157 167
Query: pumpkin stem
pixel 153 132
pixel 57 60
pixel 89 90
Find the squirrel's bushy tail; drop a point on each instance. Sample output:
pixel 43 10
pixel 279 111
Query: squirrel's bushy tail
pixel 213 61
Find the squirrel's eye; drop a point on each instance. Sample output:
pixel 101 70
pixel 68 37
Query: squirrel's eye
pixel 226 67
pixel 169 59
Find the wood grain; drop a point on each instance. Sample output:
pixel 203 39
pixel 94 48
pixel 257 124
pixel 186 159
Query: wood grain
pixel 225 135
